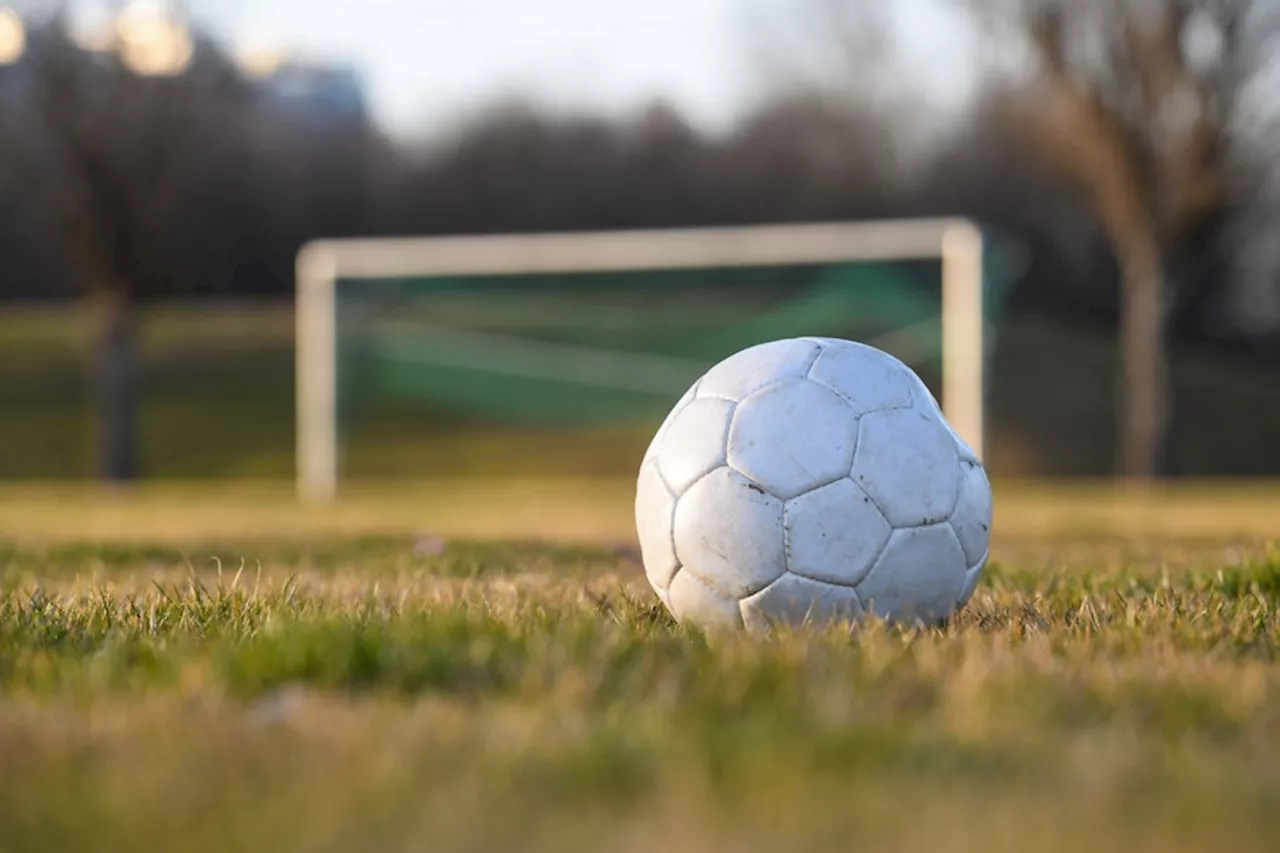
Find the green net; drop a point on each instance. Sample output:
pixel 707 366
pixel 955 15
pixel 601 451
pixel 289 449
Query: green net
pixel 591 350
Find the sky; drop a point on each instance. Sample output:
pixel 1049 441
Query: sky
pixel 426 61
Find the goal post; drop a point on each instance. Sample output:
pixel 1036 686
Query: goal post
pixel 321 265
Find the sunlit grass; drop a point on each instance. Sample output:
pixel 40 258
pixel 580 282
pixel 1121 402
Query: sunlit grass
pixel 387 692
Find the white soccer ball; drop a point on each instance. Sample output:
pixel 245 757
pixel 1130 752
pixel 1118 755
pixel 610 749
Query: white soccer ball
pixel 811 480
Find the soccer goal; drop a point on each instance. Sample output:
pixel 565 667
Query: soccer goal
pixel 572 328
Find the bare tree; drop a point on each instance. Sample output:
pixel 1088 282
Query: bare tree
pixel 1254 306
pixel 1133 100
pixel 114 153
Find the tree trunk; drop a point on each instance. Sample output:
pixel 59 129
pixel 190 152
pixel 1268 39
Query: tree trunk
pixel 1144 388
pixel 115 385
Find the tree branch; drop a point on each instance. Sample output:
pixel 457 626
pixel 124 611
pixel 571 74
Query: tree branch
pixel 1046 30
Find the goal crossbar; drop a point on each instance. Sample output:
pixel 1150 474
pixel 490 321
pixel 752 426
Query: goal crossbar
pixel 957 243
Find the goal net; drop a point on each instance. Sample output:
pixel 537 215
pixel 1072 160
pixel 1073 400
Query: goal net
pixel 425 355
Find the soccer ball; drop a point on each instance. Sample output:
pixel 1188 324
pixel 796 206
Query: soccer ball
pixel 811 480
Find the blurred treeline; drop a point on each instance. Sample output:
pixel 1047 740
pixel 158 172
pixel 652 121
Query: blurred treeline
pixel 202 185
pixel 132 188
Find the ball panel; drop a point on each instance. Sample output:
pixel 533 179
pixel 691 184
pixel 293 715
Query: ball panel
pixel 918 577
pixel 757 367
pixel 654 444
pixel 792 437
pixel 906 461
pixel 691 599
pixel 795 601
pixel 655 518
pixel 694 444
pixel 926 402
pixel 973 515
pixel 834 533
pixel 870 380
pixel 971 579
pixel 728 532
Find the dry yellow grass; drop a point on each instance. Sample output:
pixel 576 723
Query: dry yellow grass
pixel 586 510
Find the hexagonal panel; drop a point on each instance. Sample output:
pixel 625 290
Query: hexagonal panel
pixel 973 514
pixel 919 576
pixel 926 402
pixel 692 600
pixel 793 437
pixel 793 600
pixel 869 379
pixel 655 519
pixel 906 462
pixel 834 533
pixel 652 450
pixel 694 443
pixel 757 367
pixel 729 534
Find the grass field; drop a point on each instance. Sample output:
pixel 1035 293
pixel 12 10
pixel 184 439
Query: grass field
pixel 480 667
pixel 472 661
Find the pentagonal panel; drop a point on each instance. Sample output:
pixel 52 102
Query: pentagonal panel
pixel 906 462
pixel 972 518
pixel 655 520
pixel 918 577
pixel 971 579
pixel 694 443
pixel 834 533
pixel 869 379
pixel 691 599
pixel 729 534
pixel 793 437
pixel 652 450
pixel 757 367
pixel 793 600
pixel 926 402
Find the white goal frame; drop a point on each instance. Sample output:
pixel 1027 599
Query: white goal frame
pixel 321 264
